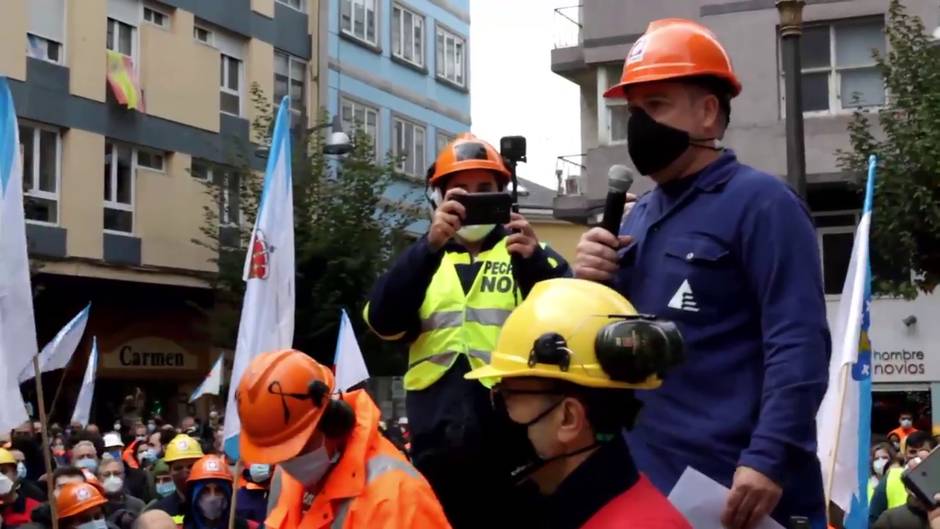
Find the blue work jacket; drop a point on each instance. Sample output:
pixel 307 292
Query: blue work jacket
pixel 733 260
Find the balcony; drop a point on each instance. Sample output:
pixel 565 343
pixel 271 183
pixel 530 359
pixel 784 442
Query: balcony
pixel 572 203
pixel 568 35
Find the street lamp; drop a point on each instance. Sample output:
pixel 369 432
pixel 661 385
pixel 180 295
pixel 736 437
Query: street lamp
pixel 338 142
pixel 791 30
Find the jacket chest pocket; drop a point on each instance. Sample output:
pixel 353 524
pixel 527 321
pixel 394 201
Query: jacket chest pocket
pixel 703 276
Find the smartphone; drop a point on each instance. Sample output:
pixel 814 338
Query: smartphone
pixel 485 208
pixel 924 479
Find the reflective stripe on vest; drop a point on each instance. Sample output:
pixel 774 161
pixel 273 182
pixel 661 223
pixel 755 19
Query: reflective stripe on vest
pixel 454 322
pixel 894 489
pixel 376 467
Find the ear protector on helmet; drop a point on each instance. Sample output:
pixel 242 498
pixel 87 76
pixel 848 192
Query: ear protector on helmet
pixel 630 349
pixel 338 418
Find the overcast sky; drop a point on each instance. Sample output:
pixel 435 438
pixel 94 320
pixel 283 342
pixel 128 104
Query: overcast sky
pixel 512 87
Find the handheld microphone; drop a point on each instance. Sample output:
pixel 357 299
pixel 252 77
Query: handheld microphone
pixel 619 180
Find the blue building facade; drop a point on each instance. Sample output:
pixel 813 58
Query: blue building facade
pixel 400 69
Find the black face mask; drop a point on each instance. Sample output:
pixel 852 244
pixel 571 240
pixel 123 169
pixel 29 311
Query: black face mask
pixel 654 145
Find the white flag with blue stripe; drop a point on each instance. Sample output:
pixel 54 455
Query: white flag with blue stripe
pixel 57 353
pixel 350 366
pixel 213 382
pixel 17 327
pixel 267 319
pixel 843 422
pixel 86 394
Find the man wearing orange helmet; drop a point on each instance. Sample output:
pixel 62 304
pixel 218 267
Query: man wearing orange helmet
pixel 447 296
pixel 729 253
pixel 335 469
pixel 209 495
pixel 81 506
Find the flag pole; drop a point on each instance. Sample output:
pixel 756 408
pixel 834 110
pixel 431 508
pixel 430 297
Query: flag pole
pixel 844 378
pixel 58 390
pixel 46 454
pixel 234 502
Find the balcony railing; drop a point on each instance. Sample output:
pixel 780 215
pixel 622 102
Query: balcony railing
pixel 569 171
pixel 567 26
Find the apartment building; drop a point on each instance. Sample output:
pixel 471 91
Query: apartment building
pixel 838 75
pixel 400 70
pixel 122 106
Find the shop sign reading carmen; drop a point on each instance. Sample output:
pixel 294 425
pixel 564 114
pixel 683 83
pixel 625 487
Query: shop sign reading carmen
pixel 149 352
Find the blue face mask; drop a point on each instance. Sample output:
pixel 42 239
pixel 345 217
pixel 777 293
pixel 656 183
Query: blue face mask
pixel 259 473
pixel 21 470
pixel 116 454
pixel 147 457
pixel 87 463
pixel 165 489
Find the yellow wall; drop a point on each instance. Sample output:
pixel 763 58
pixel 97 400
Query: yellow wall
pixel 86 34
pixel 13 26
pixel 180 76
pixel 82 195
pixel 260 70
pixel 169 213
pixel 563 237
pixel 263 7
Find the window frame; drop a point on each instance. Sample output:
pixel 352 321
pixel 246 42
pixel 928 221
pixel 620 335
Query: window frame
pixel 291 59
pixel 147 6
pixel 34 187
pixel 441 74
pixel 61 46
pixel 225 200
pixel 302 5
pixel 115 32
pixel 833 70
pixel 210 41
pixel 351 32
pixel 438 146
pixel 226 69
pixel 821 232
pixel 112 203
pixel 416 16
pixel 419 172
pixel 354 102
pixel 152 152
pixel 605 107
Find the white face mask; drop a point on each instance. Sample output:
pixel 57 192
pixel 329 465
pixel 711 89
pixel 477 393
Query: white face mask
pixel 259 473
pixel 113 484
pixel 879 466
pixel 94 524
pixel 21 470
pixel 310 468
pixel 475 233
pixel 906 423
pixel 6 485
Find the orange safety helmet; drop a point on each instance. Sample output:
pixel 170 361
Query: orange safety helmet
pixel 210 467
pixel 275 404
pixel 76 498
pixel 468 152
pixel 92 479
pixel 675 48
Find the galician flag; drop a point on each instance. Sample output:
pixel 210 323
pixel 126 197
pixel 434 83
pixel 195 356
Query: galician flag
pixel 17 327
pixel 57 353
pixel 267 320
pixel 350 367
pixel 82 412
pixel 213 382
pixel 843 423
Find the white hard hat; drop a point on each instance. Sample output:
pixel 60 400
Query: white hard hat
pixel 403 420
pixel 113 439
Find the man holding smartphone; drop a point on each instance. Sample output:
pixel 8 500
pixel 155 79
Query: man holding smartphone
pixel 447 296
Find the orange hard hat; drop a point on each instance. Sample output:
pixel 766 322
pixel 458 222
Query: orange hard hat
pixel 676 48
pixel 209 467
pixel 280 402
pixel 92 479
pixel 468 152
pixel 76 498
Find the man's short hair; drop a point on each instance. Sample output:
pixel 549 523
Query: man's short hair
pixel 609 411
pixel 919 440
pixel 718 88
pixel 67 471
pixel 83 444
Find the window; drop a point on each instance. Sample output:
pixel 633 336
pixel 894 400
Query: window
pixel 296 4
pixel 228 200
pixel 838 69
pixel 289 76
pixel 44 49
pixel 150 159
pixel 155 17
pixel 230 84
pixel 615 111
pixel 835 233
pixel 357 19
pixel 200 170
pixel 118 188
pixel 442 140
pixel 355 115
pixel 120 37
pixel 408 35
pixel 41 150
pixel 450 57
pixel 408 142
pixel 203 35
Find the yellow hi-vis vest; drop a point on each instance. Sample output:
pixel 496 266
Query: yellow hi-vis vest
pixel 454 323
pixel 894 489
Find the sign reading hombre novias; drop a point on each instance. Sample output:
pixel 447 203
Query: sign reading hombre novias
pixel 150 352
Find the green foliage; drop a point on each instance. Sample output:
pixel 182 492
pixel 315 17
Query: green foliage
pixel 905 236
pixel 345 235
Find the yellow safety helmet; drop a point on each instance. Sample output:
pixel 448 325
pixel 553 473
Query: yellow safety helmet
pixel 182 447
pixel 584 333
pixel 6 458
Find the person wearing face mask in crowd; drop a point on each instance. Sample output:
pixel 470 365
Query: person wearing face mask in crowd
pixel 138 458
pixel 84 455
pixel 62 476
pixel 730 254
pixel 447 296
pixel 113 445
pixel 334 468
pixel 181 454
pixel 26 440
pixel 566 392
pixel 883 459
pixel 59 455
pixel 912 514
pixel 81 506
pixel 163 485
pixel 112 477
pixel 15 507
pixel 890 491
pixel 905 427
pixel 27 487
pixel 252 497
pixel 210 496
